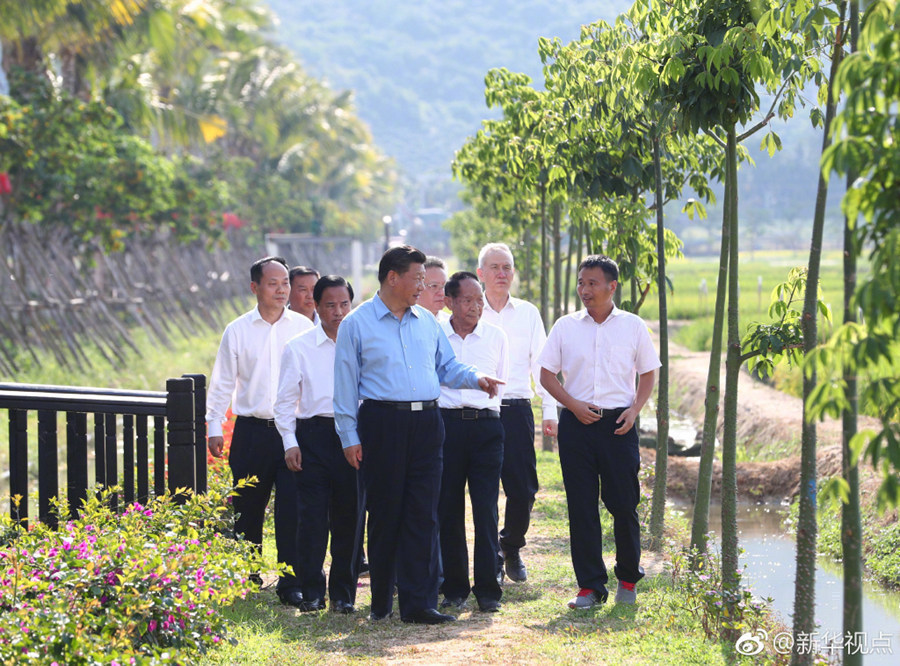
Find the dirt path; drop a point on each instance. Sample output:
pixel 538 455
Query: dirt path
pixel 765 415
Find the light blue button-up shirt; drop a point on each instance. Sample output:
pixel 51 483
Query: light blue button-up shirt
pixel 379 357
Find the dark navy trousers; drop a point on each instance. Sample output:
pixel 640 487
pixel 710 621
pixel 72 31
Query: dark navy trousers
pixel 599 464
pixel 519 473
pixel 257 450
pixel 329 500
pixel 401 471
pixel 473 453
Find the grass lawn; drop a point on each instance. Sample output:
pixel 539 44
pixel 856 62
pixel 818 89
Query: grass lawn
pixel 534 625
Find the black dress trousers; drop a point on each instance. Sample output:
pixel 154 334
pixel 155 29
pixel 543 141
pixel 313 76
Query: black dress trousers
pixel 596 463
pixel 473 453
pixel 257 450
pixel 519 474
pixel 328 496
pixel 401 472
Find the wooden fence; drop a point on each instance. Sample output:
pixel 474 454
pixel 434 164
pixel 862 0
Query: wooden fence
pixel 176 458
pixel 60 296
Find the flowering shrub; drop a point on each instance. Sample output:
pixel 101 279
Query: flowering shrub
pixel 143 587
pixel 702 595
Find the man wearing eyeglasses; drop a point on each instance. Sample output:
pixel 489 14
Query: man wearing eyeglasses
pixel 432 297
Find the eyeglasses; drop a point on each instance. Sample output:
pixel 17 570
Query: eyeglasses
pixel 435 286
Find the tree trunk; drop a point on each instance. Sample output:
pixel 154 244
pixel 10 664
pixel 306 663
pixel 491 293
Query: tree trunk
pixel 730 575
pixel 658 506
pixel 574 246
pixel 700 523
pixel 545 260
pixel 807 528
pixel 527 268
pixel 557 260
pixel 851 524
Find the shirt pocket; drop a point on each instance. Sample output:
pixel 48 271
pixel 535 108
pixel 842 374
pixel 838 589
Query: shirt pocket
pixel 621 359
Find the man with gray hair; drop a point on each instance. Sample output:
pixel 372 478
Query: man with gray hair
pixel 522 324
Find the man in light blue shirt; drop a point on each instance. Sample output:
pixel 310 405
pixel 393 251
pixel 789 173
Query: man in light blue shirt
pixel 390 359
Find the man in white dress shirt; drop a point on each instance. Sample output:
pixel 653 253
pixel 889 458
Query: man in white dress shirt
pixel 522 324
pixel 432 297
pixel 473 451
pixel 327 487
pixel 246 375
pixel 303 281
pixel 599 351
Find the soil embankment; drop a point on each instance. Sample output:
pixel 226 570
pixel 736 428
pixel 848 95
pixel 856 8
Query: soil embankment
pixel 765 415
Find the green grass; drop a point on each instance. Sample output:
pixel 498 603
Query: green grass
pixel 881 539
pixel 772 267
pixel 534 626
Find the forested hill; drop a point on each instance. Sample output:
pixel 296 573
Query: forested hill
pixel 417 67
pixel 417 70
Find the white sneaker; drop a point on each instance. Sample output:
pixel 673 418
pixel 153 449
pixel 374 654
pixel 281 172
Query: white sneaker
pixel 624 595
pixel 588 598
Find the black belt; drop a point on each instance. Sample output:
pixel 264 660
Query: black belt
pixel 606 412
pixel 414 406
pixel 318 417
pixel 469 414
pixel 268 423
pixel 509 402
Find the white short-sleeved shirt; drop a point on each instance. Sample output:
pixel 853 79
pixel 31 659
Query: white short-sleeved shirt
pixel 599 361
pixel 487 349
pixel 306 382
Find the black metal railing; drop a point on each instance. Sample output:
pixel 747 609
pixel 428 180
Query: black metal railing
pixel 178 442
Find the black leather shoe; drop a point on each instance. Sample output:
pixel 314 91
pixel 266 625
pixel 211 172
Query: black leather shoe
pixel 256 579
pixel 375 617
pixel 489 606
pixel 428 616
pixel 364 568
pixel 291 598
pixel 311 606
pixel 454 602
pixel 515 567
pixel 343 607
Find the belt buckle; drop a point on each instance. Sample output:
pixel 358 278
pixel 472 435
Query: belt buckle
pixel 469 414
pixel 415 406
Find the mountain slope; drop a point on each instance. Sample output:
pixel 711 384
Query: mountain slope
pixel 417 68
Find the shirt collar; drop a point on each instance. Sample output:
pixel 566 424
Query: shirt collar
pixel 478 330
pixel 583 314
pixel 321 335
pixel 381 310
pixel 510 303
pixel 255 316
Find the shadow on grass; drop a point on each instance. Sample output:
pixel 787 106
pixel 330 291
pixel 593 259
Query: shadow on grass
pixel 331 635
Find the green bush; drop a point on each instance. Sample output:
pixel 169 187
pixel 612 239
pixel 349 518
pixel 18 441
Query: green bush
pixel 143 587
pixel 880 539
pixel 702 595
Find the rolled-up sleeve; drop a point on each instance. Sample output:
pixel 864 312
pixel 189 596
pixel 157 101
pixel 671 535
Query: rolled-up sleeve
pixel 346 383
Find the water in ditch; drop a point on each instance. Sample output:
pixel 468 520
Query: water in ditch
pixel 770 560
